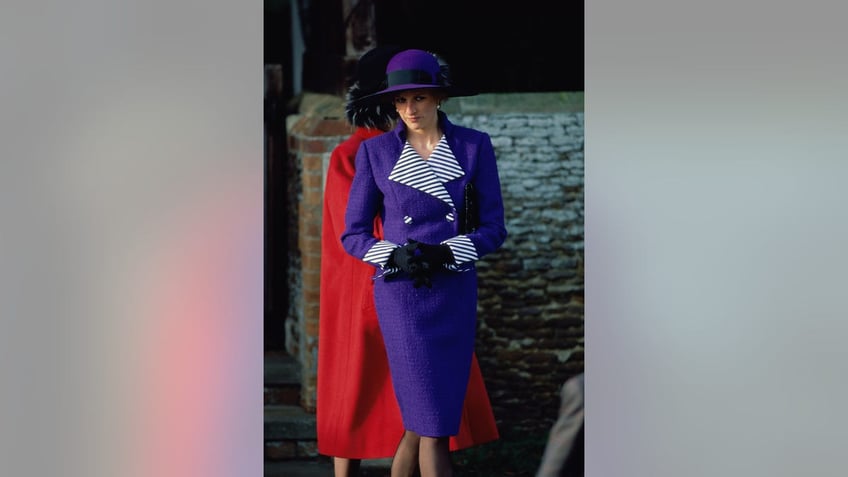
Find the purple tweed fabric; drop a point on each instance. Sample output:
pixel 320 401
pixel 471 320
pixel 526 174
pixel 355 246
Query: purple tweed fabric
pixel 429 332
pixel 429 336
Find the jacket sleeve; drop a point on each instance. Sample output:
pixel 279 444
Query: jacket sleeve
pixel 491 233
pixel 364 203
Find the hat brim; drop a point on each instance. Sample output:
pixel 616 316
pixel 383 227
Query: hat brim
pixel 382 95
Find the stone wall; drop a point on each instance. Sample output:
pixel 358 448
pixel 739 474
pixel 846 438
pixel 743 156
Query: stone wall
pixel 530 337
pixel 530 311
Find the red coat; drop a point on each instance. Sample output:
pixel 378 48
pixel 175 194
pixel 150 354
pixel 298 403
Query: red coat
pixel 357 413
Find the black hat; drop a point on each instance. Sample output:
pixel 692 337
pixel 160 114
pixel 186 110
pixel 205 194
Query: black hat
pixel 369 77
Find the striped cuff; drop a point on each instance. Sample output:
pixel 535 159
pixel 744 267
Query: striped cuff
pixel 463 249
pixel 379 253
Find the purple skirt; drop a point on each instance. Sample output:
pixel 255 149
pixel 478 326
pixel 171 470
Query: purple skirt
pixel 429 335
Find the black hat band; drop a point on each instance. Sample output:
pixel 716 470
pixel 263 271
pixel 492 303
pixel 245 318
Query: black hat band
pixel 410 77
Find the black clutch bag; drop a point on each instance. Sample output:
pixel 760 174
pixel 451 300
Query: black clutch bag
pixel 470 218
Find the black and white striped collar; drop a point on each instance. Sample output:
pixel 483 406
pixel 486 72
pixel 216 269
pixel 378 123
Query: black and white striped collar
pixel 428 175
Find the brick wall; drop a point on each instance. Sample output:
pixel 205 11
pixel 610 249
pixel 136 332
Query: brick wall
pixel 312 137
pixel 530 310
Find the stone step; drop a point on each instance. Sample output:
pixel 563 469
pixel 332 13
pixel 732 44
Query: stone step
pixel 299 468
pixel 289 433
pixel 281 368
pixel 289 423
pixel 322 466
pixel 282 379
pixel 282 395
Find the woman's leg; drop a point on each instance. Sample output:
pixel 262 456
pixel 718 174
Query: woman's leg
pixel 435 457
pixel 345 467
pixel 405 461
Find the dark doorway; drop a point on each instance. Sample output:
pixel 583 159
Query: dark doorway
pixel 494 46
pixel 278 92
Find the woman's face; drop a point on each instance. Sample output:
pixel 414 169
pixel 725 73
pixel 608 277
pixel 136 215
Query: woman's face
pixel 418 108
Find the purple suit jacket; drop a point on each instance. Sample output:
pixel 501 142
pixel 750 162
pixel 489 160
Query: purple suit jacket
pixel 409 205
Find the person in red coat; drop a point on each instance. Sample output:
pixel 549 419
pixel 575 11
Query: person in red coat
pixel 358 416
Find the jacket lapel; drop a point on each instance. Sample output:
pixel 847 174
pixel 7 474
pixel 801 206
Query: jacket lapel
pixel 428 176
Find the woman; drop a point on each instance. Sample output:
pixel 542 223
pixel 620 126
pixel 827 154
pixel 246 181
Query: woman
pixel 414 178
pixel 357 413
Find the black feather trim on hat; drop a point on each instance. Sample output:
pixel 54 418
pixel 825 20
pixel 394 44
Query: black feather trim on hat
pixel 370 77
pixel 445 76
pixel 373 115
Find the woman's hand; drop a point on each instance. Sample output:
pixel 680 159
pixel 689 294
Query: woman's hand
pixel 418 260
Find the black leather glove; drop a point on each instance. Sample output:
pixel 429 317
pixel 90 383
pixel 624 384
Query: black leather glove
pixel 401 258
pixel 425 259
pixel 434 255
pixel 418 260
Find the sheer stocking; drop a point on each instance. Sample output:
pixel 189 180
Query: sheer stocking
pixel 435 457
pixel 405 461
pixel 345 467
